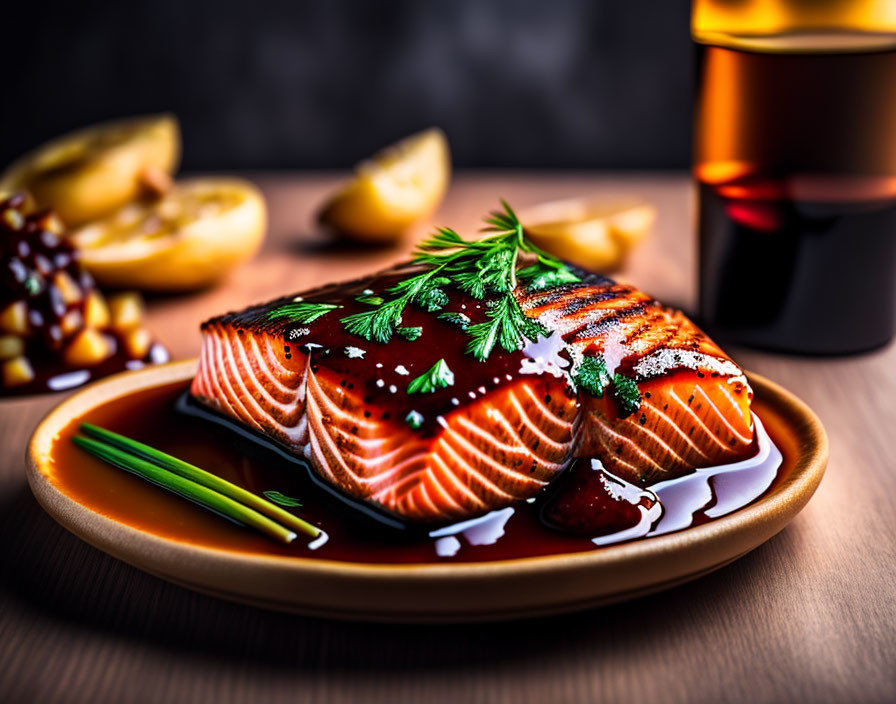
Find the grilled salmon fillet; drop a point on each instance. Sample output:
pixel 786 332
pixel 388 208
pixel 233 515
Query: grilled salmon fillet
pixel 503 428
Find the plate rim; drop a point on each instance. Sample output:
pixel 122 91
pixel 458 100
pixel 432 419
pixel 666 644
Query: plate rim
pixel 109 534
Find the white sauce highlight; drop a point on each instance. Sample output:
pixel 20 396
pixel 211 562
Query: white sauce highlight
pixel 484 530
pixel 69 380
pixel 543 357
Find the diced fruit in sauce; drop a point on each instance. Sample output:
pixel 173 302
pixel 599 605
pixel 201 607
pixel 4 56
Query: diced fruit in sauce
pixel 589 501
pixel 96 311
pixel 68 289
pixel 14 318
pixel 52 320
pixel 88 348
pixel 137 342
pixel 11 346
pixel 17 371
pixel 71 322
pixel 125 310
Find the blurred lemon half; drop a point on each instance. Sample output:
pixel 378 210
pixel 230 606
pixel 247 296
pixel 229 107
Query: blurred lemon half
pixel 392 190
pixel 188 239
pixel 89 173
pixel 593 234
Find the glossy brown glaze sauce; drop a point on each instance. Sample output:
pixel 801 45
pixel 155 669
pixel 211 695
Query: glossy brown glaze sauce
pixel 380 373
pixel 151 416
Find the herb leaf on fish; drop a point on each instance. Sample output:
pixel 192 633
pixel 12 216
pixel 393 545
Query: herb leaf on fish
pixel 592 376
pixel 459 319
pixel 370 300
pixel 438 376
pixel 627 393
pixel 301 312
pixel 507 325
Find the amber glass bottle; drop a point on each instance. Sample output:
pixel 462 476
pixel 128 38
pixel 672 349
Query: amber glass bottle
pixel 795 165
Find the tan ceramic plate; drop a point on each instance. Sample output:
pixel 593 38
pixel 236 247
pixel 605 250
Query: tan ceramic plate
pixel 456 592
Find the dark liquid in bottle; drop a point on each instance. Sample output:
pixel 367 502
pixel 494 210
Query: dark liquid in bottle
pixel 796 173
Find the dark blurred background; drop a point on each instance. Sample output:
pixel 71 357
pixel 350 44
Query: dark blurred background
pixel 292 84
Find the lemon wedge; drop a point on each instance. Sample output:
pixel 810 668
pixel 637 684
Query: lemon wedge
pixel 188 239
pixel 392 190
pixel 89 173
pixel 595 235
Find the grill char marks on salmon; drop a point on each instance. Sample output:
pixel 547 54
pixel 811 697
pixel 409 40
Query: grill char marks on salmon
pixel 695 401
pixel 502 429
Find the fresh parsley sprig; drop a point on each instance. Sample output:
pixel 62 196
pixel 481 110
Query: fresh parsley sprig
pixel 482 268
pixel 507 325
pixel 486 269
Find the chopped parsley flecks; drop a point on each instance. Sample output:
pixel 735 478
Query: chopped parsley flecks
pixel 592 376
pixel 414 419
pixel 627 393
pixel 438 376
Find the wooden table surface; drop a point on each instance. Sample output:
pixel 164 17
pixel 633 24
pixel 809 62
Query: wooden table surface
pixel 810 616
